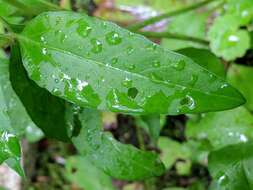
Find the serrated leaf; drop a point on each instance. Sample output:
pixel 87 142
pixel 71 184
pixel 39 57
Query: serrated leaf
pixel 223 128
pixel 189 24
pixel 46 110
pixel 242 9
pixel 226 39
pixel 95 63
pixel 231 167
pixel 116 159
pixel 241 77
pixel 84 174
pixel 205 59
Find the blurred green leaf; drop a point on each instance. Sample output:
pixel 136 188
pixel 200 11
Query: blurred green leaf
pixel 222 128
pixel 116 159
pixel 242 9
pixel 116 70
pixel 205 59
pixel 231 167
pixel 171 151
pixel 46 110
pixel 226 39
pixel 81 172
pixel 241 77
pixel 190 24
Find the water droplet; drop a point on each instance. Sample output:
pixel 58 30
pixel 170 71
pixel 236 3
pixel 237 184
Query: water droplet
pixel 224 86
pixel 56 80
pixel 223 180
pixel 156 63
pixel 179 66
pixel 83 29
pixel 43 40
pixel 243 138
pixel 97 46
pixel 114 60
pixel 113 38
pixel 127 82
pixel 194 79
pixel 189 102
pixel 132 92
pixel 130 50
pixel 56 92
pixel 130 66
pixel 63 38
pixel 44 51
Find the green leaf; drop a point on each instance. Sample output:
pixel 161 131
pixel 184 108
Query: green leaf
pixel 242 77
pixel 46 110
pixel 242 9
pixel 118 160
pixel 151 124
pixel 171 151
pixel 190 24
pixel 205 59
pixel 10 151
pixel 231 167
pixel 13 106
pixel 97 64
pixel 226 39
pixel 81 172
pixel 223 128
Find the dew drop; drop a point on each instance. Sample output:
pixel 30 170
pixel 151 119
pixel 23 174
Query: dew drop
pixel 132 92
pixel 223 180
pixel 127 82
pixel 179 66
pixel 43 40
pixel 114 60
pixel 130 50
pixel 189 102
pixel 56 92
pixel 156 64
pixel 193 80
pixel 56 80
pixel 97 46
pixel 130 66
pixel 83 29
pixel 113 38
pixel 224 86
pixel 44 51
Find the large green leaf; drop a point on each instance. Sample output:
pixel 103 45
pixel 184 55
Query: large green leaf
pixel 242 77
pixel 95 63
pixel 206 59
pixel 223 128
pixel 116 159
pixel 84 174
pixel 231 167
pixel 46 110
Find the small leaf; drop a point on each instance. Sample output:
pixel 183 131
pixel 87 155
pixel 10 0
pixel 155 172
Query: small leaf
pixel 231 167
pixel 223 128
pixel 116 159
pixel 205 59
pixel 242 9
pixel 84 174
pixel 116 70
pixel 242 77
pixel 46 110
pixel 227 40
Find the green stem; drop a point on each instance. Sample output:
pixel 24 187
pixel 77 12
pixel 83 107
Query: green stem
pixel 140 138
pixel 174 36
pixel 155 19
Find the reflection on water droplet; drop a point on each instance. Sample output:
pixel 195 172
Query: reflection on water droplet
pixel 56 80
pixel 243 138
pixel 83 28
pixel 189 102
pixel 97 46
pixel 44 51
pixel 113 38
pixel 130 50
pixel 43 40
pixel 223 180
pixel 156 63
pixel 127 82
pixel 56 92
pixel 179 66
pixel 132 92
pixel 224 86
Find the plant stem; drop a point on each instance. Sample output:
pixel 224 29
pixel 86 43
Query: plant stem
pixel 152 20
pixel 174 36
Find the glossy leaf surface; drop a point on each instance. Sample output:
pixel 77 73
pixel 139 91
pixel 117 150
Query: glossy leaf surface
pixel 231 167
pixel 85 175
pixel 95 63
pixel 242 78
pixel 116 159
pixel 46 110
pixel 223 128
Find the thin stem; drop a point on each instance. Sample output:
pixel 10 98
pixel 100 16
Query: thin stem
pixel 152 20
pixel 140 138
pixel 174 36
